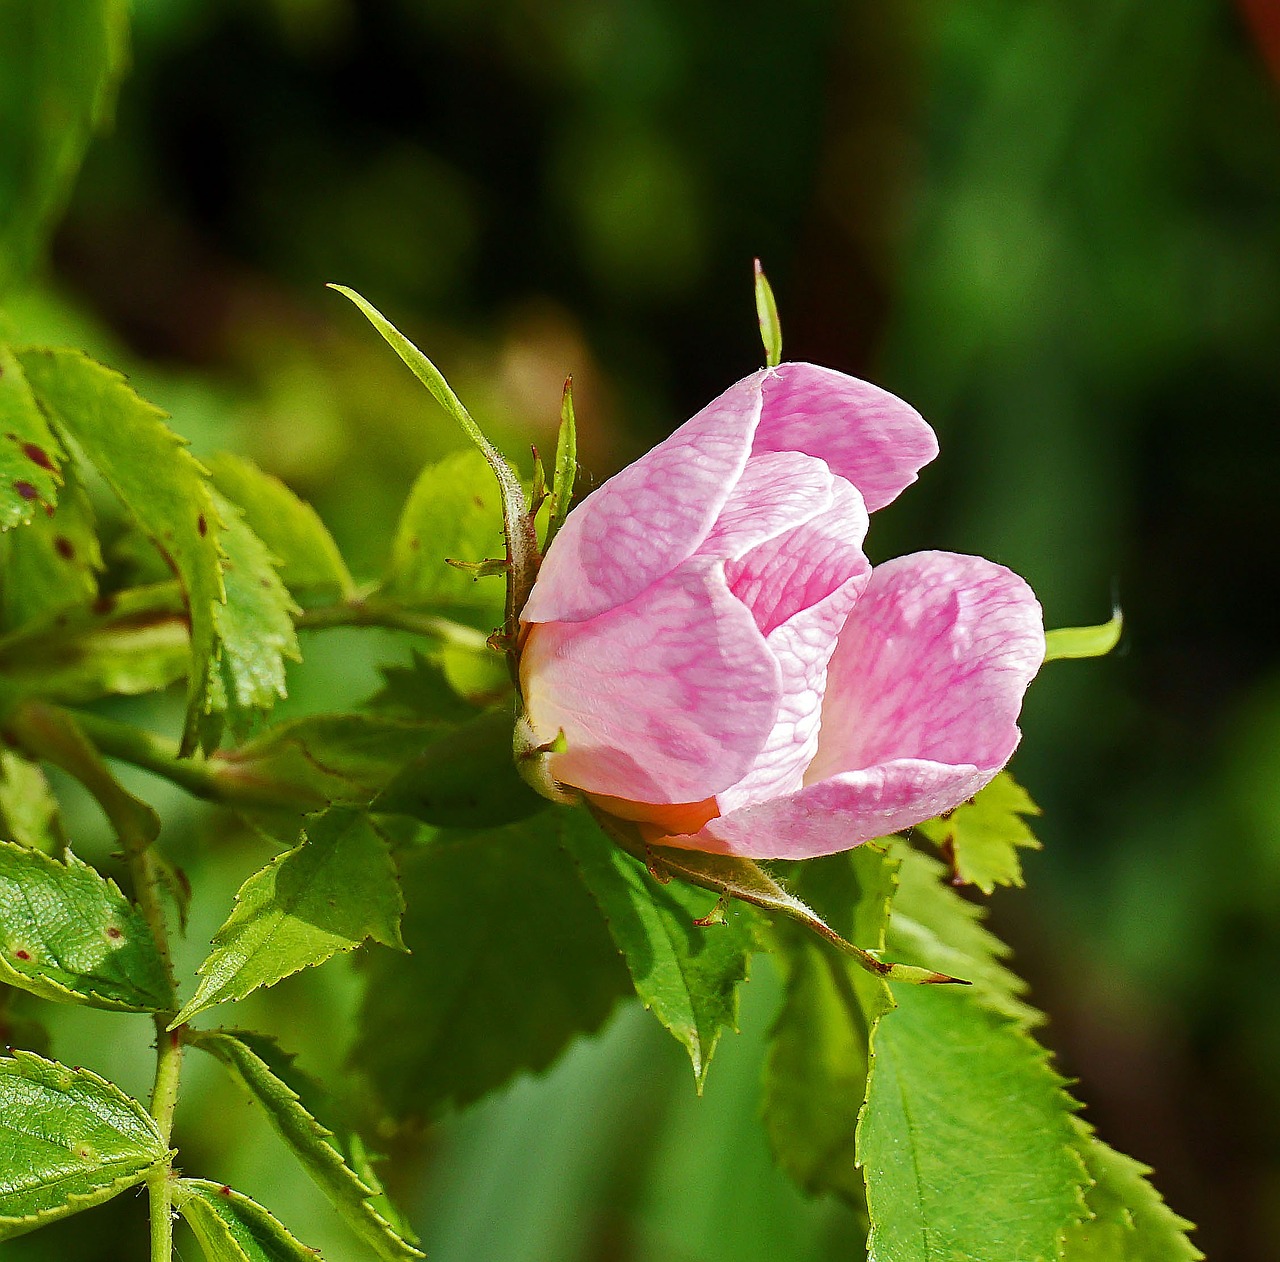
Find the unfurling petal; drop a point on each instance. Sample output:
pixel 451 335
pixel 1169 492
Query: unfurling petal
pixel 866 435
pixel 649 518
pixel 668 698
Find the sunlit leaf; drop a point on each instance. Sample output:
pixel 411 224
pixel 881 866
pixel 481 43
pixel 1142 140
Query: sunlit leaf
pixel 687 974
pixel 28 809
pixel 309 560
pixel 981 838
pixel 70 1140
pixel 453 511
pixel 268 1074
pixel 509 961
pixel 232 1228
pixel 59 65
pixel 68 934
pixel 156 479
pixel 30 455
pixel 1128 1220
pixel 52 564
pixel 330 893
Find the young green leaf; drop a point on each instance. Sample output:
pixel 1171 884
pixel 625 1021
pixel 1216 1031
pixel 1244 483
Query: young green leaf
pixel 454 511
pixel 30 456
pixel 232 1228
pixel 268 1075
pixel 982 837
pixel 509 961
pixel 52 564
pixel 309 561
pixel 566 466
pixel 1096 641
pixel 687 974
pixel 816 1073
pixel 70 1140
pixel 28 810
pixel 157 480
pixel 942 1181
pixel 767 314
pixel 328 894
pixel 70 935
pixel 59 65
pixel 255 625
pixel 1128 1221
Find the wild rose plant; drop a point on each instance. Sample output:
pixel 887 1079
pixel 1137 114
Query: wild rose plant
pixel 702 671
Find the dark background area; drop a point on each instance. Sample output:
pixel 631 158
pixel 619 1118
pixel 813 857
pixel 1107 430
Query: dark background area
pixel 1055 229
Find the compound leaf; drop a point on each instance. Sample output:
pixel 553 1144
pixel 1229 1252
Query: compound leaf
pixel 509 960
pixel 68 934
pixel 70 1140
pixel 687 974
pixel 266 1072
pixel 333 890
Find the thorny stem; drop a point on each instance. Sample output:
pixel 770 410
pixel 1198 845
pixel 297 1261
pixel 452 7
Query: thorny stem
pixel 52 735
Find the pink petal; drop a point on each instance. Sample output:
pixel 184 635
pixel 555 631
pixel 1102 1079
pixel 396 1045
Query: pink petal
pixel 775 493
pixel 932 663
pixel 668 698
pixel 649 518
pixel 801 588
pixel 840 813
pixel 865 434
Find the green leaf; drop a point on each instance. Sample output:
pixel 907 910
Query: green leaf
pixel 266 1073
pixel 28 810
pixel 52 564
pixel 1084 641
pixel 566 466
pixel 30 456
pixel 466 778
pixel 816 1073
pixel 981 839
pixel 967 1138
pixel 509 961
pixel 255 625
pixel 59 65
pixel 157 480
pixel 232 1228
pixel 686 974
pixel 767 315
pixel 1128 1221
pixel 453 511
pixel 70 1140
pixel 68 934
pixel 420 690
pixel 309 560
pixel 328 894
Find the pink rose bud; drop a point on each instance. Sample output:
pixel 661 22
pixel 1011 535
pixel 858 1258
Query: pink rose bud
pixel 710 653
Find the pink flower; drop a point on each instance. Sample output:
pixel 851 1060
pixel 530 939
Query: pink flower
pixel 725 665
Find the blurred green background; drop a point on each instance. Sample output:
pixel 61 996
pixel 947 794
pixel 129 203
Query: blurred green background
pixel 1054 228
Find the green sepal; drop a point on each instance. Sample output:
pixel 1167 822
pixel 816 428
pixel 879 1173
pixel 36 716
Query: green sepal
pixel 232 1228
pixel 268 1075
pixel 70 1140
pixel 685 969
pixel 767 315
pixel 465 778
pixel 331 892
pixel 69 934
pixel 566 466
pixel 1098 641
pixel 982 837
